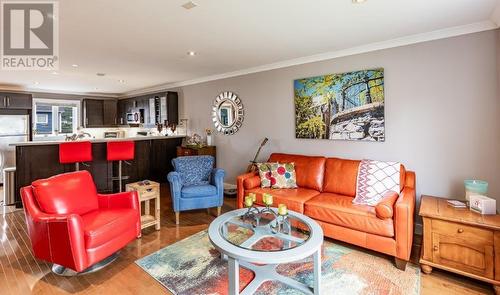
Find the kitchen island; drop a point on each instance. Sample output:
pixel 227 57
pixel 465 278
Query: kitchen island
pixel 153 155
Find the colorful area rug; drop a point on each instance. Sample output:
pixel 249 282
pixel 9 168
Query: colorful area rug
pixel 193 266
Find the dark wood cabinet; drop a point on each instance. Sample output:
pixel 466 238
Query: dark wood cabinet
pixel 162 153
pixel 99 113
pixel 109 109
pixel 19 101
pixel 183 151
pixel 93 113
pixel 172 107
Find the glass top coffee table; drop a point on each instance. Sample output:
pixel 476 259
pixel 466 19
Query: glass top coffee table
pixel 266 240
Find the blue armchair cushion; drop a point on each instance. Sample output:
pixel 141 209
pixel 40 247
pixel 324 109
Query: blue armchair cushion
pixel 194 169
pixel 194 191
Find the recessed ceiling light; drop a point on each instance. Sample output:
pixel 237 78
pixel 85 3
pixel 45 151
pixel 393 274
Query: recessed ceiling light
pixel 191 53
pixel 55 73
pixel 121 81
pixel 36 82
pixel 74 65
pixel 189 5
pixel 96 88
pixel 358 1
pixel 101 74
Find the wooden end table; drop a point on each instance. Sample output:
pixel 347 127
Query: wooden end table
pixel 147 190
pixel 460 241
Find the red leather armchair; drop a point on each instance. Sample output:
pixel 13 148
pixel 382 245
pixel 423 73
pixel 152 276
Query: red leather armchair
pixel 73 226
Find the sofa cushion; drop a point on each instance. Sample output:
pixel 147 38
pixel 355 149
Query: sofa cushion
pixel 339 210
pixel 294 199
pixel 283 175
pixel 309 170
pixel 341 176
pixel 66 193
pixel 195 191
pixel 101 226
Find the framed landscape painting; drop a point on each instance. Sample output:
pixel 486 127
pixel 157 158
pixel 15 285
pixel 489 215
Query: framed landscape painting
pixel 348 106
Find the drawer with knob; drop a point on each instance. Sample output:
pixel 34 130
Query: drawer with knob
pixel 462 231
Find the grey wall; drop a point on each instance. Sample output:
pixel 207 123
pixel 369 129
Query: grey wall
pixel 441 104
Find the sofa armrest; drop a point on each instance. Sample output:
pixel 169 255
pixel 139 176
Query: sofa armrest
pixel 403 222
pixel 128 200
pixel 241 189
pixel 385 207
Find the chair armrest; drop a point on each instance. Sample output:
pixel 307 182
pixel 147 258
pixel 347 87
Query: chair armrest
pixel 241 189
pixel 217 179
pixel 174 178
pixel 128 200
pixel 385 207
pixel 403 222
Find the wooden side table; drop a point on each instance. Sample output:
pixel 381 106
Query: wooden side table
pixel 147 190
pixel 460 241
pixel 193 151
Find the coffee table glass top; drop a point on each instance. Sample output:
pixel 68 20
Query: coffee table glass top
pixel 266 233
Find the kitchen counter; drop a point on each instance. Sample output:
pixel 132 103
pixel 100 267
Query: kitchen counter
pixel 152 160
pixel 96 140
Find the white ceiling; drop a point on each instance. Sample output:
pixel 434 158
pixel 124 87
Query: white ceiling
pixel 145 42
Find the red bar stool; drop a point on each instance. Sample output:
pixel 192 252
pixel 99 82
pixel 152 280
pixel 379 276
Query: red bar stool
pixel 75 153
pixel 120 151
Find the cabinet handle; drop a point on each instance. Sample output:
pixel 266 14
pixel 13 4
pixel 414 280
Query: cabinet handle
pixel 8 101
pixel 460 230
pixel 435 248
pixel 4 101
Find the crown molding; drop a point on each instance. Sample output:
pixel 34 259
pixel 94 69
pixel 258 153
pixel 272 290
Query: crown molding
pixel 403 41
pixel 48 91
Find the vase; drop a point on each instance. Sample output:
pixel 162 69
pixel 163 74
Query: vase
pixel 209 140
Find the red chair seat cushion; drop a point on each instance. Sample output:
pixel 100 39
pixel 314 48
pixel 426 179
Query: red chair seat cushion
pixel 101 226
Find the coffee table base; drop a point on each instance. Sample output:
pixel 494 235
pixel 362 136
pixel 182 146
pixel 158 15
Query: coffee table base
pixel 264 273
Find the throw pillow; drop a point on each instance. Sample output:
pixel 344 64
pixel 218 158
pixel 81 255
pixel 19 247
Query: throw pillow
pixel 375 178
pixel 283 175
pixel 265 174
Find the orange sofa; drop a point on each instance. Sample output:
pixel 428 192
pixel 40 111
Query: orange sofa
pixel 326 188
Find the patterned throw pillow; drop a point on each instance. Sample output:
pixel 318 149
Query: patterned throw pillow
pixel 265 174
pixel 283 175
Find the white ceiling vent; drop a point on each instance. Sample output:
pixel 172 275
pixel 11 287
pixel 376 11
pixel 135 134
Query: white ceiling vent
pixel 189 5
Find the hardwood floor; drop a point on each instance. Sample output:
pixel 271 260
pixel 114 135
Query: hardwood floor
pixel 21 273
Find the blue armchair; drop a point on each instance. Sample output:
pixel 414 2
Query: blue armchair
pixel 195 184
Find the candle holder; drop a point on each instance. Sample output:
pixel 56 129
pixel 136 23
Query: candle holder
pixel 281 222
pixel 282 225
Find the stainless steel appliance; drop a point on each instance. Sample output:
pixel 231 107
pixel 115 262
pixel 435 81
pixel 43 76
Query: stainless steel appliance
pixel 134 118
pixel 13 128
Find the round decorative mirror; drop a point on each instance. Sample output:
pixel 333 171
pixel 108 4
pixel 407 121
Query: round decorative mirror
pixel 227 113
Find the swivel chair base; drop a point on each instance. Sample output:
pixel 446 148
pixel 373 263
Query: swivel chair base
pixel 68 272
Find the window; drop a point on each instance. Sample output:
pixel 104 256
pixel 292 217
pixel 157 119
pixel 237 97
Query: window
pixel 55 118
pixel 42 119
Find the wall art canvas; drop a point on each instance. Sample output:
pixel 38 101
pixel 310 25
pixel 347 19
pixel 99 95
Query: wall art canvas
pixel 348 106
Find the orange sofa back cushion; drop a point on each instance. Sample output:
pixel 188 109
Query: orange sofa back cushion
pixel 341 176
pixel 309 169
